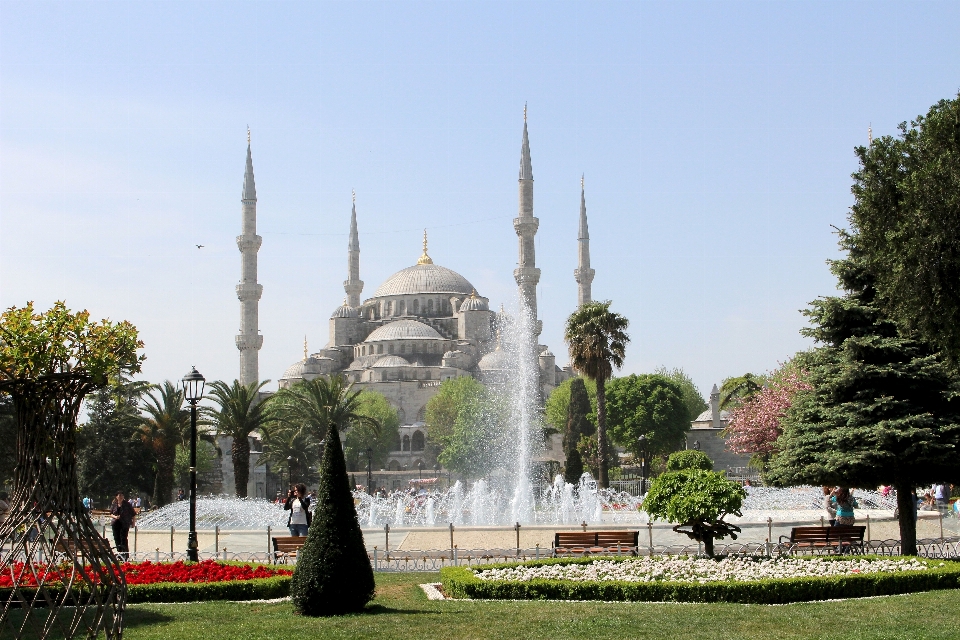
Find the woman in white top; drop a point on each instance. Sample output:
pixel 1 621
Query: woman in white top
pixel 828 505
pixel 299 507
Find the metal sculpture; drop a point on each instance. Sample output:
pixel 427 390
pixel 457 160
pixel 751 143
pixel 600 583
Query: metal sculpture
pixel 67 581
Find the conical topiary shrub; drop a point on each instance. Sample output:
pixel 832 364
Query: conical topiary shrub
pixel 333 575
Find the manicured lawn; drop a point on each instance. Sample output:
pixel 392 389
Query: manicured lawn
pixel 401 610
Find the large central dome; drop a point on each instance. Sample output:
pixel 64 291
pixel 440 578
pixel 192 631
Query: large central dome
pixel 424 278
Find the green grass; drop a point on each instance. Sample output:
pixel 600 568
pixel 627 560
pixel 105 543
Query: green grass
pixel 401 610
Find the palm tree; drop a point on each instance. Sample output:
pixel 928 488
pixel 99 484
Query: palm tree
pixel 165 425
pixel 289 446
pixel 597 340
pixel 238 414
pixel 316 404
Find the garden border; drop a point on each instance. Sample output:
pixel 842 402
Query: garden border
pixel 461 582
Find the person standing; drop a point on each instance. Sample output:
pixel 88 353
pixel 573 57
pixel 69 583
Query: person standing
pixel 87 503
pixel 941 493
pixel 298 504
pixel 845 503
pixel 828 507
pixel 123 516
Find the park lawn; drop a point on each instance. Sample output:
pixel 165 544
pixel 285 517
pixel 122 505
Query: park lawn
pixel 401 610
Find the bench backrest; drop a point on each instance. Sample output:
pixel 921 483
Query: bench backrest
pixel 595 538
pixel 839 533
pixel 288 543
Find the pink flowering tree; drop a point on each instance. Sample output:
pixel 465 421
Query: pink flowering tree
pixel 755 425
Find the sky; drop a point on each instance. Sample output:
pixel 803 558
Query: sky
pixel 716 140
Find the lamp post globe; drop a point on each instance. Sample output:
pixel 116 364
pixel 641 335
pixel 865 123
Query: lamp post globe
pixel 192 392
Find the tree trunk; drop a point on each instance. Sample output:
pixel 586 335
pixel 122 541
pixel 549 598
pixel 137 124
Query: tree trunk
pixel 240 451
pixel 163 484
pixel 908 522
pixel 603 480
pixel 708 545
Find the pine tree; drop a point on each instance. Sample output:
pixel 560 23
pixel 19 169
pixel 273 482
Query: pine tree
pixel 333 575
pixel 577 425
pixel 883 408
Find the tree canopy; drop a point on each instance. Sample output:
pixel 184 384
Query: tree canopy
pixel 883 408
pixel 465 423
pixel 648 405
pixel 691 395
pixel 689 459
pixel 555 410
pixel 362 435
pixel 578 427
pixel 238 413
pixel 740 389
pixel 906 217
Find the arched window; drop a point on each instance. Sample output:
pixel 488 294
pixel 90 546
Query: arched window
pixel 389 308
pixel 430 306
pixel 394 465
pixel 401 307
pixel 372 313
pixel 416 306
pixel 406 443
pixel 389 348
pixel 397 446
pixel 416 444
pixel 379 348
pixel 422 414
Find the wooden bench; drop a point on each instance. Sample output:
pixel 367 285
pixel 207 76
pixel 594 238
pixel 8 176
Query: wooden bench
pixel 287 546
pixel 839 537
pixel 71 548
pixel 595 542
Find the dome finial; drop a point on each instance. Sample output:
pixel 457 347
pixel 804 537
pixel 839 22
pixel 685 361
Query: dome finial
pixel 354 192
pixel 248 134
pixel 424 259
pixel 524 112
pixel 304 348
pixel 870 134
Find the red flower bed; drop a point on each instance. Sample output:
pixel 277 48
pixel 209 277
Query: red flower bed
pixel 147 572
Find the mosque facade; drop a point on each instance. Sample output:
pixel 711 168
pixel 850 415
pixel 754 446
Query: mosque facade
pixel 425 324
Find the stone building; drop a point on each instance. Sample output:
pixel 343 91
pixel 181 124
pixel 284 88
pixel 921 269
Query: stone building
pixel 706 434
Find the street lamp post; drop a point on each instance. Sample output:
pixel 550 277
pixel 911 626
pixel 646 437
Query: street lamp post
pixel 289 475
pixel 643 464
pixel 369 471
pixel 192 392
pixel 420 470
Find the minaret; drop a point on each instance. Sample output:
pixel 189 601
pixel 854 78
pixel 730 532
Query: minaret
pixel 249 340
pixel 583 274
pixel 526 274
pixel 353 285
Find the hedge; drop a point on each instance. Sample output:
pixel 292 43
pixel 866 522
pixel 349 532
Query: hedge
pixel 258 589
pixel 461 582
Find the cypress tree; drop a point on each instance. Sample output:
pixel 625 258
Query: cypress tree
pixel 577 425
pixel 883 408
pixel 333 575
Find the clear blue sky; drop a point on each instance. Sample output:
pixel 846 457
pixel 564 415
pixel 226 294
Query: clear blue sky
pixel 716 138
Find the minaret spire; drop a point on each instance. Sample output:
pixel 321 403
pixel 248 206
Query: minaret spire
pixel 583 274
pixel 249 291
pixel 353 285
pixel 526 274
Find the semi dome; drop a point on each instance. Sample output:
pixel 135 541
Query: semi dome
pixel 473 303
pixel 344 311
pixel 295 371
pixel 404 330
pixel 424 278
pixel 494 361
pixel 391 361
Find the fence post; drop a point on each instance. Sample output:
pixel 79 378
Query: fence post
pixel 516 528
pixel 650 536
pixel 538 551
pixel 375 566
pixel 135 541
pixel 821 521
pixel 769 536
pixel 940 512
pixel 868 528
pixel 171 543
pixel 156 558
pixel 386 543
pixel 584 525
pixel 216 542
pixel 451 541
pixel 455 561
pixel 269 532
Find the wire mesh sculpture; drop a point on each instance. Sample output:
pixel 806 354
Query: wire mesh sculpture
pixel 66 579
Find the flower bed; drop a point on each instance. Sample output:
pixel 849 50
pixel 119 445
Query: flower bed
pixel 733 579
pixel 170 582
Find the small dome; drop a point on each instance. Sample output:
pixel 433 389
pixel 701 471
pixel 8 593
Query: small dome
pixel 707 416
pixel 404 330
pixel 451 354
pixel 424 278
pixel 474 303
pixel 391 361
pixel 546 353
pixel 343 311
pixel 495 361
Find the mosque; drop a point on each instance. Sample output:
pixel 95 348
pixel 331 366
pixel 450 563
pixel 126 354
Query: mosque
pixel 425 324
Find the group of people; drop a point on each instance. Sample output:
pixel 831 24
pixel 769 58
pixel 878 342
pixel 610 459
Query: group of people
pixel 839 503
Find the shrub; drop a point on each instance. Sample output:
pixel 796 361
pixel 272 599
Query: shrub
pixel 257 589
pixel 689 459
pixel 333 575
pixel 461 582
pixel 698 500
